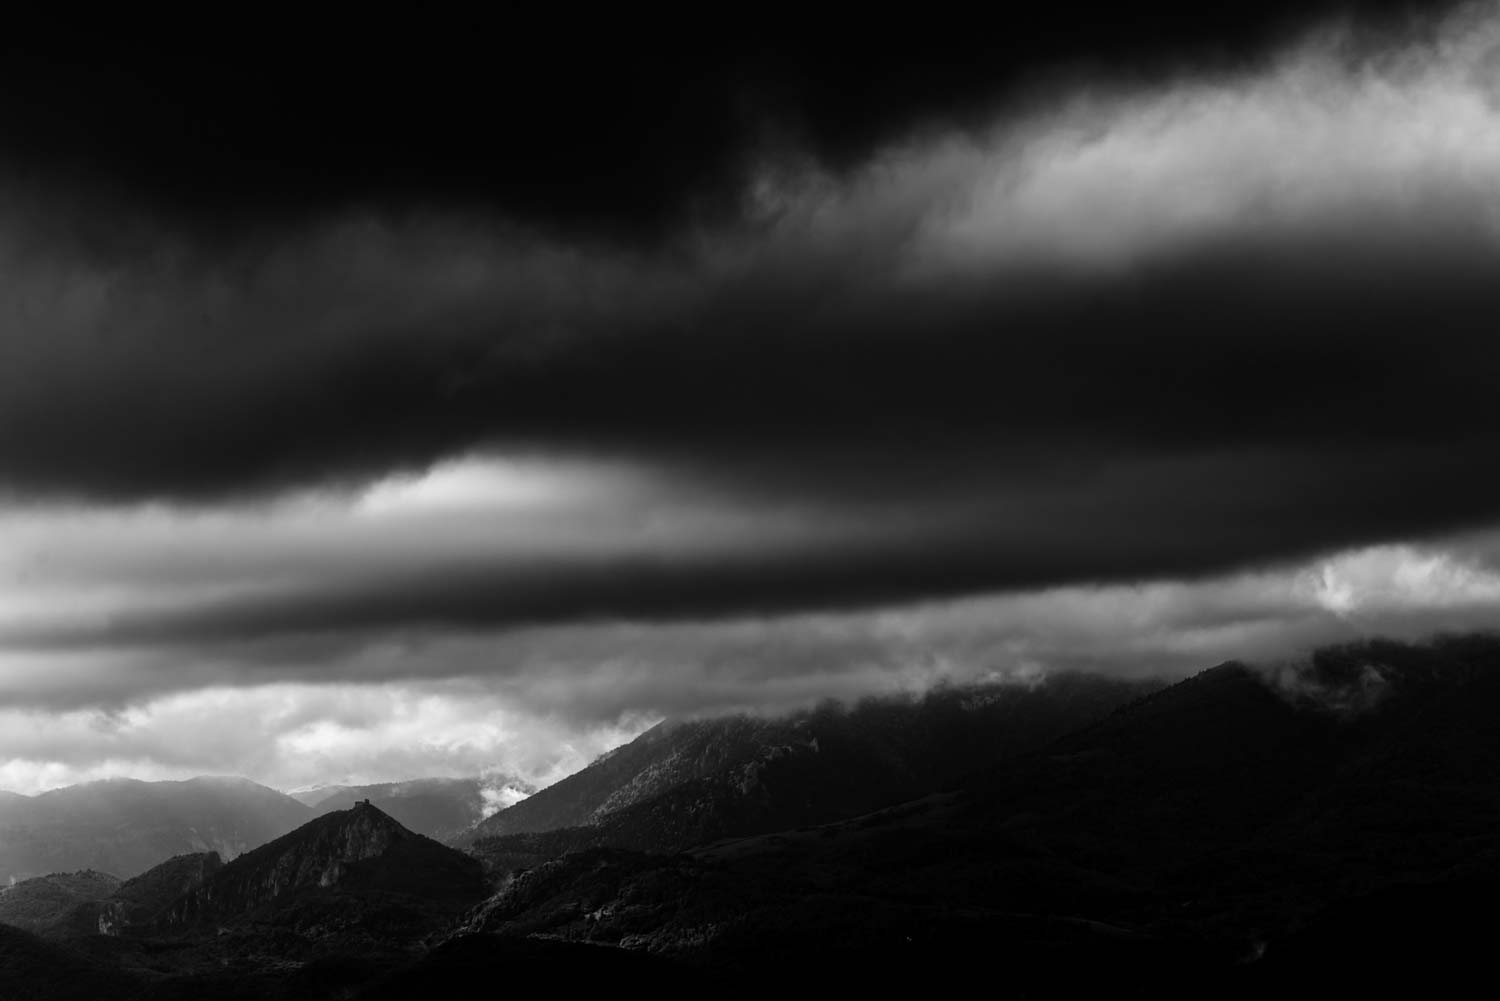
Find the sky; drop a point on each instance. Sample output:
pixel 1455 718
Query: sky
pixel 463 397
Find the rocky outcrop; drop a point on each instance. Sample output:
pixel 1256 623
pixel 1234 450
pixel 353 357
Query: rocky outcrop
pixel 139 901
pixel 441 808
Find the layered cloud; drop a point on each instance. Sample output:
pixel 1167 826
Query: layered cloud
pixel 295 734
pixel 1133 376
pixel 536 704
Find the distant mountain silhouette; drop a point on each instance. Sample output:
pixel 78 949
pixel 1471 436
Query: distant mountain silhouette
pixel 437 807
pixel 687 783
pixel 124 827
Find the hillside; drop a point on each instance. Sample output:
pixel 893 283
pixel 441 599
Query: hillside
pixel 125 827
pixel 685 784
pixel 355 870
pixel 1235 832
pixel 139 901
pixel 42 903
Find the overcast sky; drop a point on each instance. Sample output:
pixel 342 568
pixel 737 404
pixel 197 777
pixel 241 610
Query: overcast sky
pixel 465 398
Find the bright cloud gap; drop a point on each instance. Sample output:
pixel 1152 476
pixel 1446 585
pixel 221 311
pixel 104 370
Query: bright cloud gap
pixel 537 707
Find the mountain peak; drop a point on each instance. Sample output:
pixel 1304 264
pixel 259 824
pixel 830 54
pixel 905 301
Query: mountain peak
pixel 359 850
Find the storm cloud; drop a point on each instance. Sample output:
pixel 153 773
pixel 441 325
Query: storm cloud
pixel 1127 364
pixel 1164 331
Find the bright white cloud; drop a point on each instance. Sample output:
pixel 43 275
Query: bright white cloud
pixel 1401 578
pixel 1326 135
pixel 496 485
pixel 295 735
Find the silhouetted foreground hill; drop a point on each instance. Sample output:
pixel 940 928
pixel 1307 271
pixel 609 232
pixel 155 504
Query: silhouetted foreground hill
pixel 34 970
pixel 124 827
pixel 687 783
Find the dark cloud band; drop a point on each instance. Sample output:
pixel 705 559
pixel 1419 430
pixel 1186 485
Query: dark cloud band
pixel 1181 328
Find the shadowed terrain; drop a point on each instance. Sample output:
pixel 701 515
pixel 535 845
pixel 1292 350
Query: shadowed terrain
pixel 1242 832
pixel 685 783
pixel 1224 828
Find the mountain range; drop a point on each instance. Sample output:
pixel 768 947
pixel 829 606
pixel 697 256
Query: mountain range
pixel 124 827
pixel 686 783
pixel 340 900
pixel 1333 825
pixel 1223 834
